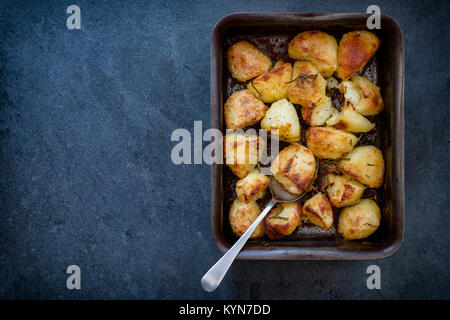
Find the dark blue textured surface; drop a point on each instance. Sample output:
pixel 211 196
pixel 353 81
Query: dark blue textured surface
pixel 85 171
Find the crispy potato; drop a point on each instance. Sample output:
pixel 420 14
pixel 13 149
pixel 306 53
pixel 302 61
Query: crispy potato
pixel 283 116
pixel 329 143
pixel 365 164
pixel 242 109
pixel 317 210
pixel 252 187
pixel 241 217
pixel 355 50
pixel 273 85
pixel 363 94
pixel 343 191
pixel 245 61
pixel 242 152
pixel 294 168
pixel 318 47
pixel 359 221
pixel 307 86
pixel 282 220
pixel 350 120
pixel 318 115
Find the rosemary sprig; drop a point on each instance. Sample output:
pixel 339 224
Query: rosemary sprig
pixel 304 77
pixel 371 225
pixel 256 89
pixel 362 139
pixel 370 164
pixel 278 217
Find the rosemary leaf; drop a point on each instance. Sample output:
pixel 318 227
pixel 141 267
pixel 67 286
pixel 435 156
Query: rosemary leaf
pixel 278 217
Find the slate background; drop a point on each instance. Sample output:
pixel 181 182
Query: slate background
pixel 85 170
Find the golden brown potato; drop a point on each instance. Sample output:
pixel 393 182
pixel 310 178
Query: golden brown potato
pixel 294 168
pixel 307 86
pixel 317 210
pixel 318 47
pixel 343 191
pixel 241 217
pixel 242 109
pixel 363 94
pixel 242 152
pixel 318 115
pixel 365 164
pixel 283 116
pixel 245 61
pixel 355 50
pixel 329 143
pixel 252 187
pixel 282 220
pixel 350 120
pixel 359 221
pixel 273 85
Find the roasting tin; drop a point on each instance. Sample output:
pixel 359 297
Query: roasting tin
pixel 272 33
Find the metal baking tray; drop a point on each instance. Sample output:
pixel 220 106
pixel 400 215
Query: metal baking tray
pixel 271 33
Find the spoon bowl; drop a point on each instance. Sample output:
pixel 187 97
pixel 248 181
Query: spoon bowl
pixel 214 276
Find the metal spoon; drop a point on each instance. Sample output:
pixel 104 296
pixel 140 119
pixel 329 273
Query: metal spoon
pixel 214 276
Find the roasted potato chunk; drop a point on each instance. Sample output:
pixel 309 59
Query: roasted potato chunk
pixel 318 115
pixel 329 143
pixel 273 85
pixel 359 221
pixel 294 168
pixel 282 220
pixel 350 120
pixel 242 109
pixel 317 210
pixel 307 86
pixel 355 50
pixel 283 116
pixel 363 94
pixel 343 191
pixel 365 164
pixel 242 152
pixel 245 61
pixel 318 47
pixel 241 217
pixel 252 187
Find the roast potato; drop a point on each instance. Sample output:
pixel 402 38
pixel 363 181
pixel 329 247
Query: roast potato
pixel 343 191
pixel 283 116
pixel 282 220
pixel 350 120
pixel 363 94
pixel 318 47
pixel 273 85
pixel 318 115
pixel 317 210
pixel 242 152
pixel 307 86
pixel 365 164
pixel 241 217
pixel 294 168
pixel 242 109
pixel 245 61
pixel 359 221
pixel 329 143
pixel 355 50
pixel 252 187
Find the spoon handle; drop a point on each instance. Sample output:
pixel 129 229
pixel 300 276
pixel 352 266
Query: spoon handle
pixel 214 276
